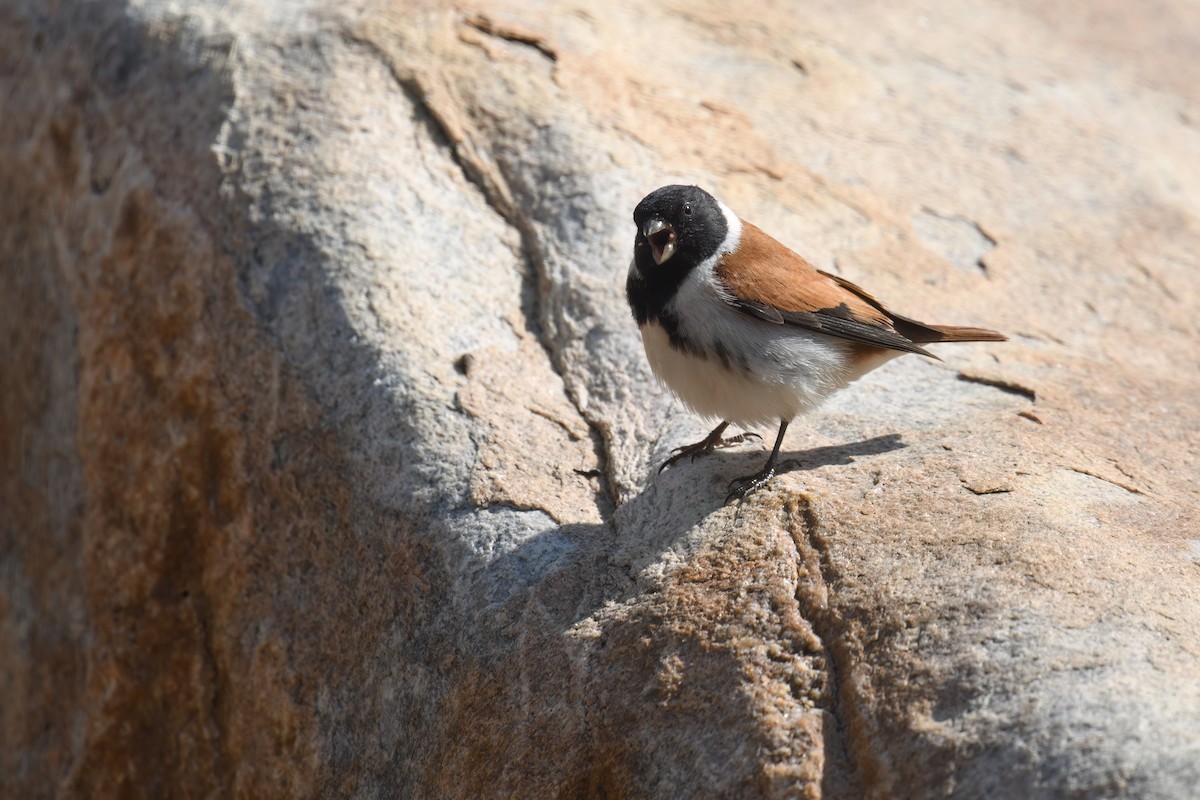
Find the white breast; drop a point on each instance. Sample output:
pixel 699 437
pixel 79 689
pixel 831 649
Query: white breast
pixel 783 376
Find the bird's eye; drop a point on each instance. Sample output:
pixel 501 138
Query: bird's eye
pixel 687 209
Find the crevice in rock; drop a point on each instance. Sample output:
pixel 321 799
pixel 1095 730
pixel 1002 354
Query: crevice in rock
pixel 208 653
pixel 1120 484
pixel 447 126
pixel 486 25
pixel 1003 384
pixel 815 605
pixel 980 491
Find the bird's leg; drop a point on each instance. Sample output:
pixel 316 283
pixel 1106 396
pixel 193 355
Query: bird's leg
pixel 741 487
pixel 707 445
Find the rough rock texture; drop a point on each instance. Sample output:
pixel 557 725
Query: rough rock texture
pixel 312 320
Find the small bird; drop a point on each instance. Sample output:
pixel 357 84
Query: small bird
pixel 744 330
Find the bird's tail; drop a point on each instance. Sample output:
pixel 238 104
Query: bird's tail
pixel 923 333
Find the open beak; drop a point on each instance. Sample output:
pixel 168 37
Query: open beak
pixel 661 236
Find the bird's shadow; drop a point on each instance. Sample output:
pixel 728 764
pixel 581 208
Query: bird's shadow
pixel 840 454
pixel 684 495
pixel 813 458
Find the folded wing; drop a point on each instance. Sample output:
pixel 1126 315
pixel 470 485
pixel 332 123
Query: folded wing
pixel 770 282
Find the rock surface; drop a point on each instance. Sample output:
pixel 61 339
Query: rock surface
pixel 313 319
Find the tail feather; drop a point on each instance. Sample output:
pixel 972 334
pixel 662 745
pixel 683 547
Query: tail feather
pixel 922 333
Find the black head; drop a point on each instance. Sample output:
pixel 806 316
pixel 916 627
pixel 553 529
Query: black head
pixel 677 228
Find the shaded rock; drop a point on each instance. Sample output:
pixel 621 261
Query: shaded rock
pixel 314 319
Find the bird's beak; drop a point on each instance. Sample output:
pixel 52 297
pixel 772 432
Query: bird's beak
pixel 661 236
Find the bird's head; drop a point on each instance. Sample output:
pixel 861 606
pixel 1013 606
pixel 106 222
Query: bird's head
pixel 677 225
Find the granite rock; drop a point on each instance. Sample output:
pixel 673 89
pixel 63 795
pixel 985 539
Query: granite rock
pixel 329 450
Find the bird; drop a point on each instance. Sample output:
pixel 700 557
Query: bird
pixel 743 329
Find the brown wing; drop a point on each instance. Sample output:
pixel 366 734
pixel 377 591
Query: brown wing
pixel 922 332
pixel 771 282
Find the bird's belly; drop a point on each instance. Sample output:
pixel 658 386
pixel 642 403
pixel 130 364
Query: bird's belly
pixel 751 388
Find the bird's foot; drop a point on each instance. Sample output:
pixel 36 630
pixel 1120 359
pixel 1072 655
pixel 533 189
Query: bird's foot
pixel 706 446
pixel 741 488
pixel 730 441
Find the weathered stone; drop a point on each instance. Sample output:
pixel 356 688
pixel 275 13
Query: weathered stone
pixel 329 451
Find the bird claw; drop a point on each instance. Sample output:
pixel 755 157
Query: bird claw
pixel 681 453
pixel 704 447
pixel 730 441
pixel 741 488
